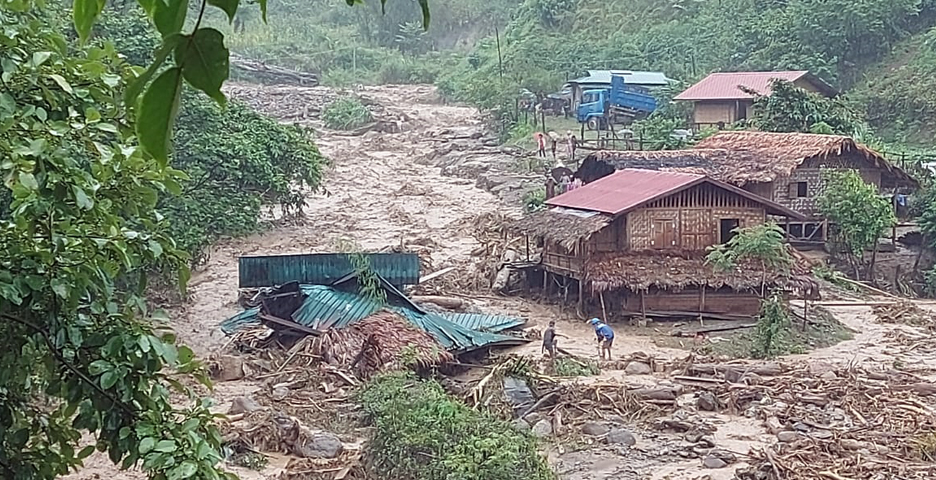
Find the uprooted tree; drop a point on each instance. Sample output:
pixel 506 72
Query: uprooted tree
pixel 860 215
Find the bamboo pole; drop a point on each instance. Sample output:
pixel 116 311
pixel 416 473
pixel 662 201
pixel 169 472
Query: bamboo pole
pixel 604 312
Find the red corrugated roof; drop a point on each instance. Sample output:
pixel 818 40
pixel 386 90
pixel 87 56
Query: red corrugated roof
pixel 624 190
pixel 724 86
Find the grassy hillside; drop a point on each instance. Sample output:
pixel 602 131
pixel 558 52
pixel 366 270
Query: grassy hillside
pixel 898 96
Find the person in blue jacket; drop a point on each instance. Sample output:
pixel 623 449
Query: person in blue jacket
pixel 605 337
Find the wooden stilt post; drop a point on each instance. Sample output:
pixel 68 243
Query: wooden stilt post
pixel 581 299
pixel 545 282
pixel 805 313
pixel 527 247
pixel 604 311
pixel 643 305
pixel 701 304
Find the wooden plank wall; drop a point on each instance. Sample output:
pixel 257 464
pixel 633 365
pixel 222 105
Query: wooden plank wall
pixel 724 301
pixel 690 219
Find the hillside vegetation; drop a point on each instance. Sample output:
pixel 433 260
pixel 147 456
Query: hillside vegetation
pixel 878 52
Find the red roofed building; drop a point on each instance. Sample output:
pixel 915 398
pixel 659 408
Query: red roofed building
pixel 640 237
pixel 720 98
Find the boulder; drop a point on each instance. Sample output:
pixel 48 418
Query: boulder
pixel 712 461
pixel 542 428
pixel 788 436
pixel 229 368
pixel 619 436
pixel 595 429
pixel 707 402
pixel 243 405
pixel 322 445
pixel 638 368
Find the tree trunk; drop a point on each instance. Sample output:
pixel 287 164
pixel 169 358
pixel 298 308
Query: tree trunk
pixel 871 276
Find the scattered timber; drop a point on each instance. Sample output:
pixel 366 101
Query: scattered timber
pixel 451 303
pixel 272 74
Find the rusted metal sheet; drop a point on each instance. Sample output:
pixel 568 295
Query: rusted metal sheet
pixel 624 190
pixel 399 269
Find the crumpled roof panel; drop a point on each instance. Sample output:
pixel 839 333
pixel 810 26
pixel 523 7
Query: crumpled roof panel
pixel 325 307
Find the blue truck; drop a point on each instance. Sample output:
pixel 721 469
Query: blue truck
pixel 622 103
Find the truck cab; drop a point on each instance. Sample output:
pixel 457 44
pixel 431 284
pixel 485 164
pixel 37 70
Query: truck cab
pixel 593 108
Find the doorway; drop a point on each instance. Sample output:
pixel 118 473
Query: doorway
pixel 728 225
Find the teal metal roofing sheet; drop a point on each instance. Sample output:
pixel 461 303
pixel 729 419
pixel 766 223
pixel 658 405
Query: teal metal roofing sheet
pixel 325 307
pixel 323 269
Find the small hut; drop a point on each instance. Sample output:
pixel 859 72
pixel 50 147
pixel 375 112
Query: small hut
pixel 637 240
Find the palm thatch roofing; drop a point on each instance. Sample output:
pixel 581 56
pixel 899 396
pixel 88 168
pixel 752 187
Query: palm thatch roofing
pixel 764 156
pixel 678 270
pixel 741 157
pixel 564 226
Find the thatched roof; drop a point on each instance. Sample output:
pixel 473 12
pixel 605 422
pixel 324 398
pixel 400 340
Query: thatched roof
pixel 677 270
pixel 764 156
pixel 741 157
pixel 560 225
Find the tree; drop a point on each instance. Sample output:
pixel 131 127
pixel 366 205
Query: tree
pixel 80 348
pixel 860 214
pixel 791 109
pixel 762 244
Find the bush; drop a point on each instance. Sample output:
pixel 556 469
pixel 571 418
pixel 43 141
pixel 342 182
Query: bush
pixel 772 331
pixel 534 200
pixel 346 113
pixel 422 433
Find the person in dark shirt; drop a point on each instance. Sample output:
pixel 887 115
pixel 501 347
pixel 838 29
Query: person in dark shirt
pixel 605 337
pixel 549 340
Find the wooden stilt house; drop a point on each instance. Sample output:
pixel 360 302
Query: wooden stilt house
pixel 785 168
pixel 636 239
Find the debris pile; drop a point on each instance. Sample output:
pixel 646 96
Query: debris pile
pixel 904 312
pixel 846 424
pixel 382 341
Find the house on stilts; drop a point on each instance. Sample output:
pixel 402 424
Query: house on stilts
pixel 634 243
pixel 785 168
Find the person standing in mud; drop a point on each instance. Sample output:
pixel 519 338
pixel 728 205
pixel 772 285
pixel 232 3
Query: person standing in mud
pixel 540 144
pixel 564 183
pixel 550 186
pixel 571 145
pixel 605 337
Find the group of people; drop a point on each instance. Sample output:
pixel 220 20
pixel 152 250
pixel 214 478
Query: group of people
pixel 565 184
pixel 603 332
pixel 553 139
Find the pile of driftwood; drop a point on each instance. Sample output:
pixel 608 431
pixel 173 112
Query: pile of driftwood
pixel 263 73
pixel 905 312
pixel 845 424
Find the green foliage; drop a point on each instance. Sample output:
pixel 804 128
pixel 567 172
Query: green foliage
pixel 368 280
pixel 792 109
pixel 236 160
pixel 761 243
pixel 860 213
pixel 773 324
pixel 534 200
pixel 570 367
pixel 346 113
pixel 79 349
pixel 423 433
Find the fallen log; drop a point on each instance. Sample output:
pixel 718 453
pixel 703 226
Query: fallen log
pixel 666 394
pixel 452 303
pixel 692 333
pixel 434 275
pixel 763 370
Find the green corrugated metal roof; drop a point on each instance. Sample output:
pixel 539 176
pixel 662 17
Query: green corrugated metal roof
pixel 326 307
pixel 323 269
